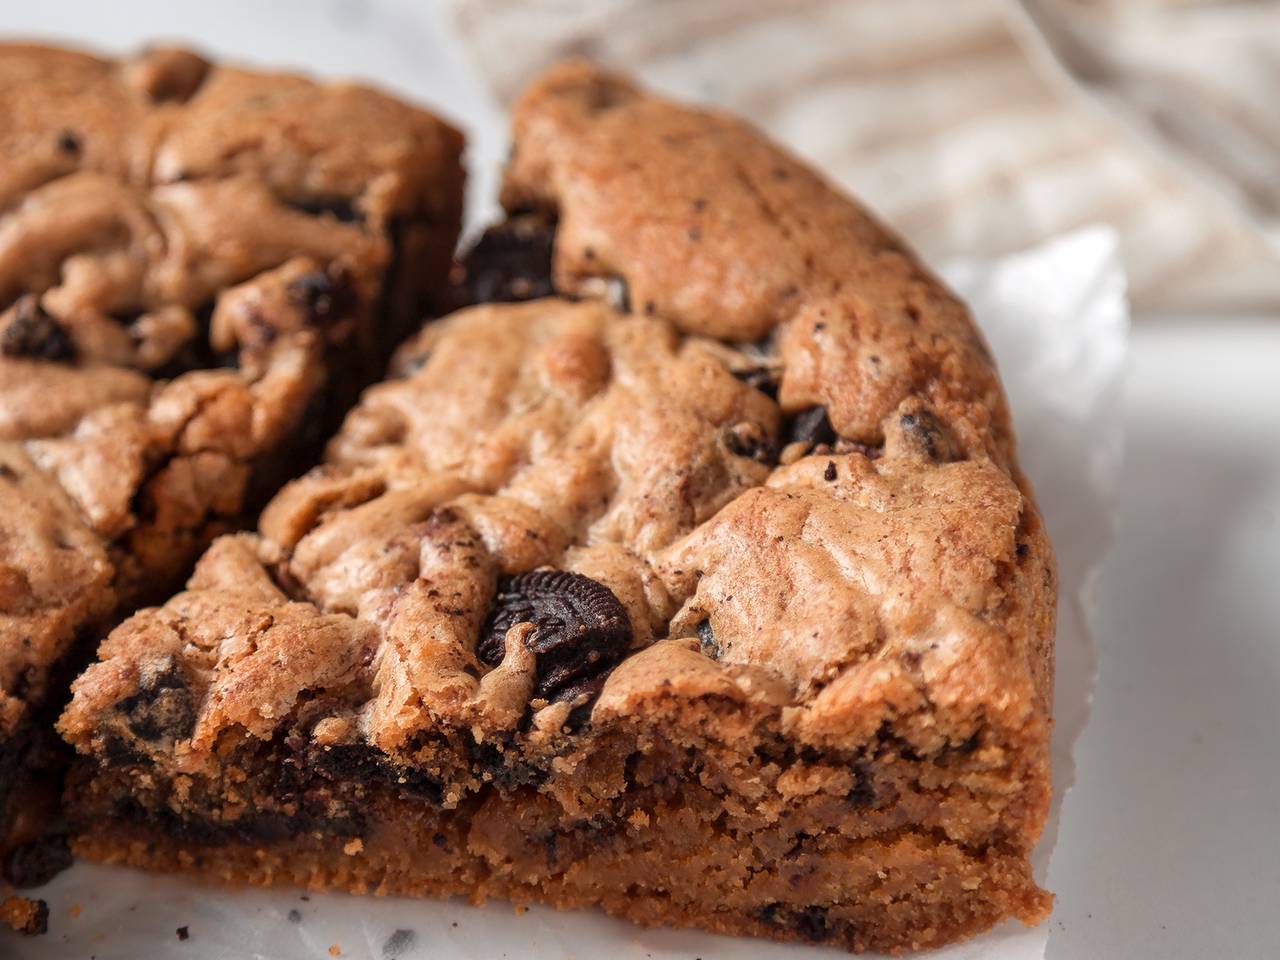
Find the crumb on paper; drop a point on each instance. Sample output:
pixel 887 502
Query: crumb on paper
pixel 25 915
pixel 353 847
pixel 521 909
pixel 295 916
pixel 73 911
pixel 335 950
pixel 184 933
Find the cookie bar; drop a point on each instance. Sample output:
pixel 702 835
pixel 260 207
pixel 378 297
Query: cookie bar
pixel 705 590
pixel 200 267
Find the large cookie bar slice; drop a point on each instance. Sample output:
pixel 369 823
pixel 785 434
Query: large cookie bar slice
pixel 200 268
pixel 704 589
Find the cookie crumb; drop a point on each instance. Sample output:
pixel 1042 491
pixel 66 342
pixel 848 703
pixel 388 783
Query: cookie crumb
pixel 184 933
pixel 335 950
pixel 25 915
pixel 73 911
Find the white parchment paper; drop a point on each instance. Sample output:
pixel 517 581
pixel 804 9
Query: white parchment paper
pixel 1056 318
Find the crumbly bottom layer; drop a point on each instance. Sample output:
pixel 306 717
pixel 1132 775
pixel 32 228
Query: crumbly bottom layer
pixel 903 890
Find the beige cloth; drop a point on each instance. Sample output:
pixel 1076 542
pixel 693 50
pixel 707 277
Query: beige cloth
pixel 980 126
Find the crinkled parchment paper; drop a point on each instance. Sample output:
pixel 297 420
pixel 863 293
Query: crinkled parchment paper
pixel 1057 321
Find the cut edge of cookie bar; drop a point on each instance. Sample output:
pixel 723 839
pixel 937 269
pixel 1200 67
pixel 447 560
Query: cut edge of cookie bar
pixel 707 591
pixel 198 274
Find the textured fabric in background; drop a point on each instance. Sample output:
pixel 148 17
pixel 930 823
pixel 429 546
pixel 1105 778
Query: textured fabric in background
pixel 980 126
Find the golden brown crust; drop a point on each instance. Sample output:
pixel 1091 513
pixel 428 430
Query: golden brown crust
pixel 881 595
pixel 184 251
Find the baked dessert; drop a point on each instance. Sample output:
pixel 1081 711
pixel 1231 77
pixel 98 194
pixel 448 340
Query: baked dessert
pixel 705 589
pixel 200 267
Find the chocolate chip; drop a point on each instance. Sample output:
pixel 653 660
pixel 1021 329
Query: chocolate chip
pixel 162 709
pixel 36 863
pixel 811 923
pixel 928 434
pixel 810 427
pixel 748 439
pixel 339 208
pixel 510 262
pixel 34 334
pixel 762 378
pixel 968 745
pixel 68 142
pixel 707 641
pixel 830 473
pixel 863 793
pixel 581 629
pixel 325 298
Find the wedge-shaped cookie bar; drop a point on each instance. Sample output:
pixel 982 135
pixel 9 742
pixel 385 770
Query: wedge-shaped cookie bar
pixel 706 590
pixel 200 267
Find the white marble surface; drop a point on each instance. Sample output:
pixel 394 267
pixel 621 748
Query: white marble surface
pixel 1169 846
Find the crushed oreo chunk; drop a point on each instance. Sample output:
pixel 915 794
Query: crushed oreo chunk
pixel 35 335
pixel 510 262
pixel 581 630
pixel 162 709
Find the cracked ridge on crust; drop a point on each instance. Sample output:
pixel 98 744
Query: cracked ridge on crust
pixel 785 453
pixel 194 261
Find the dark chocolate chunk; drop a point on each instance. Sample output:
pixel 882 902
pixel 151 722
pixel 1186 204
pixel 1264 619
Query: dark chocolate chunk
pixel 162 709
pixel 863 793
pixel 68 142
pixel 810 923
pixel 928 434
pixel 810 427
pixel 707 640
pixel 749 440
pixel 340 208
pixel 34 334
pixel 510 262
pixel 184 933
pixel 36 863
pixel 581 629
pixel 325 298
pixel 830 474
